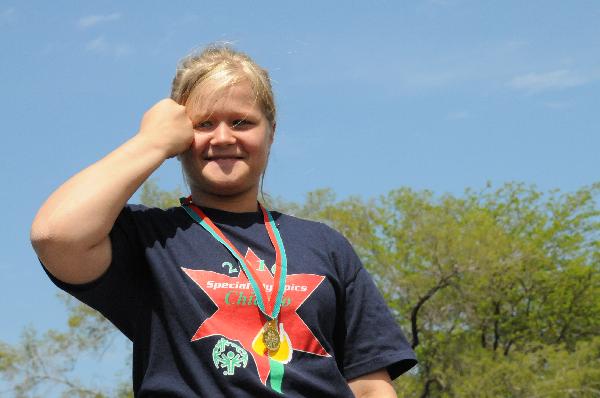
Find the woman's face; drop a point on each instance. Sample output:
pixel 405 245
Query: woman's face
pixel 231 144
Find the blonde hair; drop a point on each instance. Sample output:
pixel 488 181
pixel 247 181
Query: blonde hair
pixel 223 67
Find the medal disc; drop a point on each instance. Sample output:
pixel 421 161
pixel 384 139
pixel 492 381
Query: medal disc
pixel 269 304
pixel 271 336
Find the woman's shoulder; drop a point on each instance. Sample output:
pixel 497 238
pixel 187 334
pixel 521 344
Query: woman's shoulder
pixel 150 211
pixel 310 230
pixel 143 215
pixel 323 239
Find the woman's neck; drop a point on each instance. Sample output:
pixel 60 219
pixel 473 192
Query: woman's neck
pixel 233 203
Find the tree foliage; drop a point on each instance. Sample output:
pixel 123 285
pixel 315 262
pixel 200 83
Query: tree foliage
pixel 47 364
pixel 498 291
pixel 50 363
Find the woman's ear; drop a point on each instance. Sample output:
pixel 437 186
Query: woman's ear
pixel 182 154
pixel 273 126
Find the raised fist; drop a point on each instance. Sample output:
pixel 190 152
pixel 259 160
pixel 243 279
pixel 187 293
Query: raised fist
pixel 167 126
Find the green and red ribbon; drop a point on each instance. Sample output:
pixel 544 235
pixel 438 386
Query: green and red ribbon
pixel 270 308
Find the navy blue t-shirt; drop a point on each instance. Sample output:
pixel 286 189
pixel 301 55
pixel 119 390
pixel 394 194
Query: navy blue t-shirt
pixel 186 304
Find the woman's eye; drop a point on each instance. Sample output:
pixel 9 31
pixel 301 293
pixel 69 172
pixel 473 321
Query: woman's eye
pixel 203 125
pixel 240 123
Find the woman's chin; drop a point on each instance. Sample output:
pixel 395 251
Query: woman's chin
pixel 227 187
pixel 225 165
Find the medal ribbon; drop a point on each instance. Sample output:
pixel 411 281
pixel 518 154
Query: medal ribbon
pixel 266 305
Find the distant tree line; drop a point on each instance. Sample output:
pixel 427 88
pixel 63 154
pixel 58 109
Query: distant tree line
pixel 498 291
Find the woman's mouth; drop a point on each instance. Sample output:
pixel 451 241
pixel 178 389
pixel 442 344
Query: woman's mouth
pixel 224 161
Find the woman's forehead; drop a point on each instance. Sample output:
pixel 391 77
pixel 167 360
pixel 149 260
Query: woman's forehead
pixel 210 98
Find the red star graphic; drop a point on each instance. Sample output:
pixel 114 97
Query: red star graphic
pixel 238 318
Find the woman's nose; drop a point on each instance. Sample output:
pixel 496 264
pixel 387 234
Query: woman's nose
pixel 222 135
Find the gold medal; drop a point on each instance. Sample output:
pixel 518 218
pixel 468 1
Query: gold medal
pixel 271 335
pixel 269 304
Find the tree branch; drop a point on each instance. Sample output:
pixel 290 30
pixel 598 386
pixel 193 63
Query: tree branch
pixel 496 325
pixel 444 282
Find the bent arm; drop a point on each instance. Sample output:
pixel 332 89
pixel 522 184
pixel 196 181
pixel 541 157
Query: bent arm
pixel 70 232
pixel 373 385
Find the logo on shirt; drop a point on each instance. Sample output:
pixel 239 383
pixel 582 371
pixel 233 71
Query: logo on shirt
pixel 229 355
pixel 238 319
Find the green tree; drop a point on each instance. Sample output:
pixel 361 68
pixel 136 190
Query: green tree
pixel 46 363
pixel 485 283
pixel 498 291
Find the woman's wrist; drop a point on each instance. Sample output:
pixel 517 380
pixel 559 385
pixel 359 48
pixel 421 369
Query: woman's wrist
pixel 141 145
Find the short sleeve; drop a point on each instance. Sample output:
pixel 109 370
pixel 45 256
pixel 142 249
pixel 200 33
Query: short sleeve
pixel 116 294
pixel 373 339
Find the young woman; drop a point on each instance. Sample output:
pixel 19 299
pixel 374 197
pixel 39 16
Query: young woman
pixel 219 296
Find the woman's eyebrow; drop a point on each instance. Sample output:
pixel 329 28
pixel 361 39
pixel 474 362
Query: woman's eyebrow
pixel 232 114
pixel 201 115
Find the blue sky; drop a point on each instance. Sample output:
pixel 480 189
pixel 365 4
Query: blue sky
pixel 439 94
